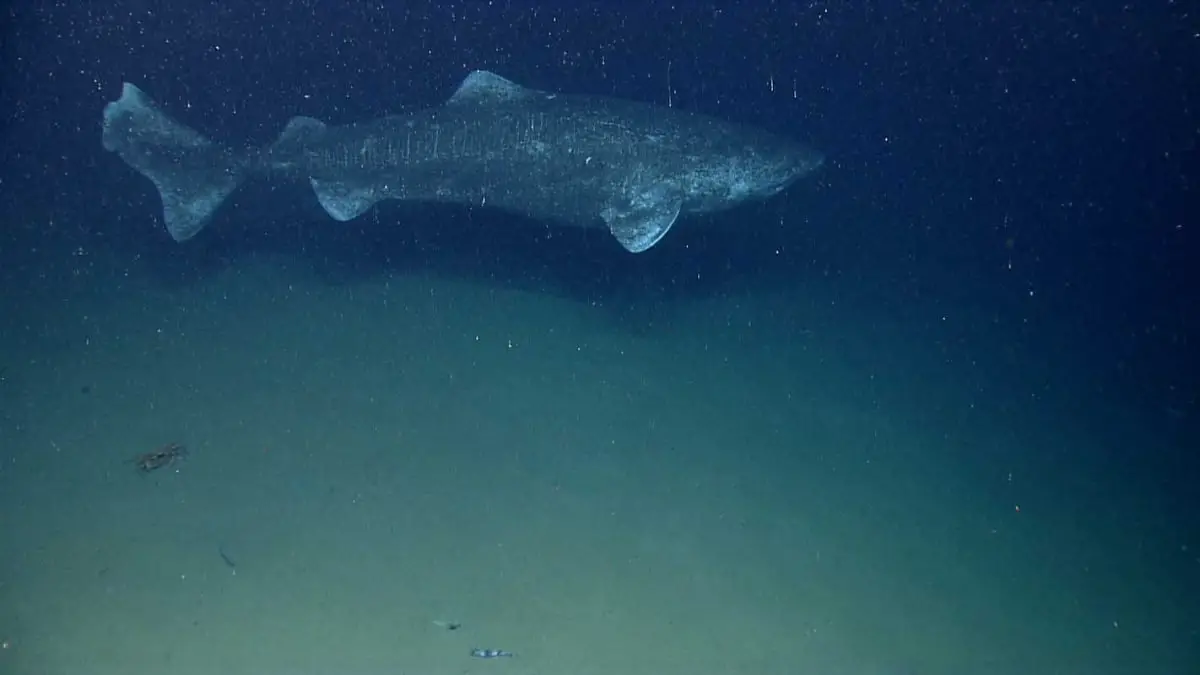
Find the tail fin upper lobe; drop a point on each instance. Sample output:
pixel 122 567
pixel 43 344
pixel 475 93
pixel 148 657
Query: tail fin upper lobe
pixel 193 175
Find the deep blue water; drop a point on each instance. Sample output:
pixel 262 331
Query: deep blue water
pixel 1034 155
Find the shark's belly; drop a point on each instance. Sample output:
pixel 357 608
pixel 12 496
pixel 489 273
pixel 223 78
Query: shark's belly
pixel 565 192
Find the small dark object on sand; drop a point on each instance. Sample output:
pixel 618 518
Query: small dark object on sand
pixel 165 456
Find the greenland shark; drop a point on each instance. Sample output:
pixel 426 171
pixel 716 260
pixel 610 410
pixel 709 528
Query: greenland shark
pixel 575 160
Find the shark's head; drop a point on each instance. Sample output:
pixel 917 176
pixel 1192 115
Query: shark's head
pixel 749 170
pixel 773 167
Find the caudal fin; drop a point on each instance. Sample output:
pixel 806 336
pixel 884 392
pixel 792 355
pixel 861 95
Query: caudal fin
pixel 193 175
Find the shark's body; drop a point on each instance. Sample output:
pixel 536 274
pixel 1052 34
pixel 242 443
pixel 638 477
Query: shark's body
pixel 575 160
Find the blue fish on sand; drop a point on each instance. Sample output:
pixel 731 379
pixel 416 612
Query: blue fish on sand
pixel 489 653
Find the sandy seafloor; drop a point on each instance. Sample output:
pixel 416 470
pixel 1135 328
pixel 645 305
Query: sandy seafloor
pixel 789 483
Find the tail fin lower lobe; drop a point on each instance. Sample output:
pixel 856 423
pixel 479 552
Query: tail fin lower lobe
pixel 193 175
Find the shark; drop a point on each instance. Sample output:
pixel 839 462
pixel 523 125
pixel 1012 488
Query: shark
pixel 576 160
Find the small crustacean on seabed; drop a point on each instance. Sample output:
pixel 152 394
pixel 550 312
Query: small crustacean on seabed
pixel 166 456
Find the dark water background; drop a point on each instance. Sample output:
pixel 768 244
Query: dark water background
pixel 1039 156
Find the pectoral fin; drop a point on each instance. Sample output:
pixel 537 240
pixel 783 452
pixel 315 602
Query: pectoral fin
pixel 640 227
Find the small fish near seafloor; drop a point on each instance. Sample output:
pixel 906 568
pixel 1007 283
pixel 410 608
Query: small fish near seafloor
pixel 490 653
